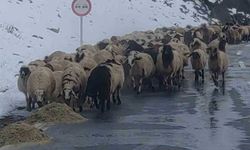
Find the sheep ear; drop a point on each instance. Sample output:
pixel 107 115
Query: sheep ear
pixel 46 59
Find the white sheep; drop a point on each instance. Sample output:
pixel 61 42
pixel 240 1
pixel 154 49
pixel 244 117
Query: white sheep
pixel 58 56
pixel 199 61
pixel 169 65
pixel 74 84
pixel 58 65
pixel 40 87
pixel 218 64
pixel 57 94
pixel 85 51
pixel 142 68
pixel 103 55
pixel 106 80
pixel 198 44
pixel 88 64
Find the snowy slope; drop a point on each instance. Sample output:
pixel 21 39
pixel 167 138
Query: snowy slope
pixel 31 29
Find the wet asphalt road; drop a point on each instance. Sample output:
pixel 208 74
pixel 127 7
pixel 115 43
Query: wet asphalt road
pixel 197 117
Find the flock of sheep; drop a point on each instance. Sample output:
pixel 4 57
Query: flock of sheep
pixel 96 73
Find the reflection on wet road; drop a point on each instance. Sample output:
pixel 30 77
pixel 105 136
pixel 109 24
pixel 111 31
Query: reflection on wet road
pixel 197 117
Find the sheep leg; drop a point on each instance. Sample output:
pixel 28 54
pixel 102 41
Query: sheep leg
pixel 33 105
pixel 139 87
pixel 133 83
pixel 196 75
pixel 108 103
pixel 203 75
pixel 183 77
pixel 113 97
pixel 118 96
pixel 102 102
pixel 215 79
pixel 161 82
pixel 223 79
pixel 96 102
pixel 178 78
pixel 151 85
pixel 28 101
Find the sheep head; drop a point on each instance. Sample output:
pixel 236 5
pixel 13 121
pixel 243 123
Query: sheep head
pixel 69 94
pixel 40 97
pixel 167 55
pixel 213 52
pixel 131 57
pixel 195 55
pixel 79 56
pixel 24 71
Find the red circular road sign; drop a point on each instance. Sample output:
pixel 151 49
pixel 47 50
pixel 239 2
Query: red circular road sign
pixel 81 7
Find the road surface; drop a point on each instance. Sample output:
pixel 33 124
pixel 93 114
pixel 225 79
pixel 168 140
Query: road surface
pixel 197 117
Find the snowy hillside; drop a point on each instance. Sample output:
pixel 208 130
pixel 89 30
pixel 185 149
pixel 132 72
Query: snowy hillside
pixel 31 29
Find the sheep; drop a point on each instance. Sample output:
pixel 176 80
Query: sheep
pixel 24 74
pixel 206 33
pixel 182 49
pixel 57 94
pixel 88 64
pixel 170 65
pixel 199 61
pixel 115 49
pixel 58 56
pixel 244 32
pixel 188 36
pixel 102 44
pixel 40 87
pixel 198 44
pixel 74 84
pixel 233 34
pixel 102 56
pixel 106 80
pixel 142 67
pixel 218 64
pixel 220 42
pixel 58 65
pixel 37 63
pixel 85 51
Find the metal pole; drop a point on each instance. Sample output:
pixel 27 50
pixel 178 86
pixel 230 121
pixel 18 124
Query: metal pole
pixel 81 30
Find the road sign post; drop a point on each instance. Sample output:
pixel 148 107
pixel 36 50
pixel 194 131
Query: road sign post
pixel 81 8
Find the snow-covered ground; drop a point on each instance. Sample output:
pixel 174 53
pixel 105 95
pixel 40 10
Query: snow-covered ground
pixel 31 29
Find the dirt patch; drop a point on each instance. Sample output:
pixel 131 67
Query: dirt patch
pixel 21 133
pixel 55 113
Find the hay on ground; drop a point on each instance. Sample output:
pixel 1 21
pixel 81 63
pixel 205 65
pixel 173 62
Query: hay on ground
pixel 55 113
pixel 21 133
